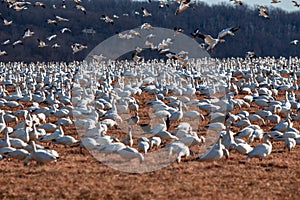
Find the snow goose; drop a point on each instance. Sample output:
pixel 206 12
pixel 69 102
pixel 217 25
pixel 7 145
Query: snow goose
pixel 296 4
pixel 261 150
pixel 41 156
pixel 5 142
pixel 180 149
pixel 110 148
pixel 2 121
pixel 216 152
pixel 146 13
pixel 143 144
pixel 49 137
pixel 66 140
pixel 183 5
pixel 19 154
pixel 289 143
pixel 155 141
pixel 129 153
pixel 128 140
pixel 28 33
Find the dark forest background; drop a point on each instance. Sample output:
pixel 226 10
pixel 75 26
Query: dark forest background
pixel 267 37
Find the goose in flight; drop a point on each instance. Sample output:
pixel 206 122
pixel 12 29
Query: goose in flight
pixel 63 30
pixel 17 42
pixel 263 11
pixel 294 42
pixel 210 41
pixel 61 19
pixel 3 53
pixel 55 46
pixel 40 4
pixel 107 19
pixel 296 4
pixel 228 31
pixel 6 22
pixel 146 13
pixel 183 5
pixel 51 37
pixel 146 26
pixel 52 21
pixel 28 33
pixel 77 47
pixel 237 2
pixel 6 42
pixel 275 1
pixel 42 44
pixel 81 8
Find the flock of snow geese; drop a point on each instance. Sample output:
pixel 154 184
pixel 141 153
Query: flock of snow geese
pixel 251 104
pixel 182 5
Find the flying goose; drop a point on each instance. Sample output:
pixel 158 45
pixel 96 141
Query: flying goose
pixel 42 44
pixel 296 4
pixel 237 2
pixel 77 47
pixel 275 1
pixel 145 12
pixel 81 8
pixel 28 33
pixel 263 11
pixel 107 19
pixel 61 19
pixel 6 42
pixel 63 30
pixel 3 53
pixel 210 41
pixel 17 42
pixel 294 42
pixel 228 31
pixel 52 21
pixel 6 22
pixel 183 5
pixel 51 37
pixel 40 4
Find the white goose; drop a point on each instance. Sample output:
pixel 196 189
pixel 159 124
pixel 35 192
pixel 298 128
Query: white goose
pixel 261 150
pixel 180 149
pixel 41 156
pixel 216 152
pixel 129 153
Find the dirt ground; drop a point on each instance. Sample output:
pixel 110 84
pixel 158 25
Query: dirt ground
pixel 78 175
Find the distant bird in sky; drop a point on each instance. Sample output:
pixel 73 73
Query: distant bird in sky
pixel 17 42
pixel 146 13
pixel 42 44
pixel 275 1
pixel 296 4
pixel 107 19
pixel 294 42
pixel 51 37
pixel 81 8
pixel 40 4
pixel 6 22
pixel 212 42
pixel 228 31
pixel 250 54
pixel 178 30
pixel 52 21
pixel 237 2
pixel 183 5
pixel 146 26
pixel 63 30
pixel 28 33
pixel 55 46
pixel 6 42
pixel 163 4
pixel 263 11
pixel 3 53
pixel 61 19
pixel 77 47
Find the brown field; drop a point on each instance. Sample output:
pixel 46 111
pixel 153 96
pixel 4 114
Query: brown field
pixel 78 175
